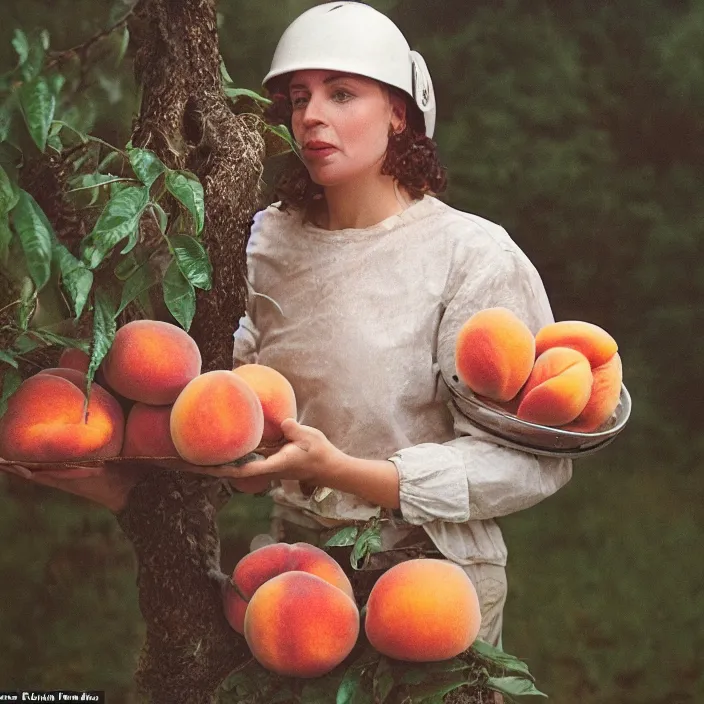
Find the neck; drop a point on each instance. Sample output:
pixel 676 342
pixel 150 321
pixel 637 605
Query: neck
pixel 362 204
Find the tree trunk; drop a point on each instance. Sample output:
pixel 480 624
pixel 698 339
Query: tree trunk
pixel 171 517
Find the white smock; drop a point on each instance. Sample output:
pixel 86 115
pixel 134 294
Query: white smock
pixel 369 324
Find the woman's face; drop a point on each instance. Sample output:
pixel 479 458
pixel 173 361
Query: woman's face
pixel 342 123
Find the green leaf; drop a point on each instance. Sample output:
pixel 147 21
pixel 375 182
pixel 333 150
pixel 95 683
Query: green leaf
pixel 161 216
pixel 343 537
pixel 38 103
pixel 514 686
pixel 10 383
pixel 132 241
pixel 384 681
pixel 124 44
pixel 283 132
pixel 237 92
pixel 28 302
pixel 36 236
pixel 32 61
pixel 5 237
pixel 7 110
pixel 77 280
pixel 508 663
pixel 104 329
pixel 434 692
pixel 193 261
pixel 8 358
pixel 118 220
pixel 9 192
pixel 179 296
pixel 20 43
pixel 367 543
pixel 143 278
pixel 146 165
pixel 186 187
pixel 350 691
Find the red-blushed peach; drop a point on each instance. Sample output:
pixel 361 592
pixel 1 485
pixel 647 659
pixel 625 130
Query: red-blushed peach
pixel 423 610
pixel 45 420
pixel 558 387
pixel 276 395
pixel 73 358
pixel 148 432
pixel 299 625
pixel 494 353
pixel 151 361
pixel 262 564
pixel 592 341
pixel 216 419
pixel 603 399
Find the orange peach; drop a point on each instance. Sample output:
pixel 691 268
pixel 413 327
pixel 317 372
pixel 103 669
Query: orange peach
pixel 262 564
pixel 423 610
pixel 558 387
pixel 494 353
pixel 299 625
pixel 148 432
pixel 151 361
pixel 604 398
pixel 73 358
pixel 592 341
pixel 45 420
pixel 216 419
pixel 276 395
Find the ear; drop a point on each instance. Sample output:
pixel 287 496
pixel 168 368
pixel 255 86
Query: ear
pixel 398 112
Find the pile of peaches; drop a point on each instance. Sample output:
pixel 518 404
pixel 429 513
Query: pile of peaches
pixel 150 400
pixel 567 375
pixel 295 606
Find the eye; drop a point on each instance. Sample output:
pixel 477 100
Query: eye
pixel 341 96
pixel 298 101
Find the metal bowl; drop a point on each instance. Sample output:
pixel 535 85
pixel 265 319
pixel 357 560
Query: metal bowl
pixel 535 438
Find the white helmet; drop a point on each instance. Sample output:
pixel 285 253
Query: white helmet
pixel 355 38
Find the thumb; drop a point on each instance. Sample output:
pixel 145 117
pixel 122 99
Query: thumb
pixel 292 429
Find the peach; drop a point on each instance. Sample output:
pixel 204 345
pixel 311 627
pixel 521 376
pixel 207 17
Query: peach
pixel 151 361
pixel 262 564
pixel 423 610
pixel 592 341
pixel 216 419
pixel 45 420
pixel 494 353
pixel 558 387
pixel 299 625
pixel 73 358
pixel 604 398
pixel 276 395
pixel 148 432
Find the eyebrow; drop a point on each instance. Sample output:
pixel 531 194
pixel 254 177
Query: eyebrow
pixel 329 79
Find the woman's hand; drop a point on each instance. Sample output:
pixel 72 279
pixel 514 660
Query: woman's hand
pixel 107 485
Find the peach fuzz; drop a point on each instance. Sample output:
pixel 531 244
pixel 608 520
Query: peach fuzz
pixel 73 358
pixel 299 625
pixel 423 610
pixel 604 397
pixel 262 564
pixel 494 353
pixel 216 419
pixel 275 394
pixel 592 341
pixel 151 361
pixel 148 432
pixel 45 420
pixel 558 387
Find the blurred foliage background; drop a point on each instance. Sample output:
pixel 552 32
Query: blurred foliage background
pixel 579 126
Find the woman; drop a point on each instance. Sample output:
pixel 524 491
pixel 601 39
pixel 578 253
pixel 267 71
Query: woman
pixel 373 277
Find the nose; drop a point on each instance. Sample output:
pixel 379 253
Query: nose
pixel 313 113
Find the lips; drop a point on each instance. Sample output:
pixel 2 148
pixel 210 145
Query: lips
pixel 315 145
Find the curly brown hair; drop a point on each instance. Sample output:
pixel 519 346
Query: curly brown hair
pixel 411 157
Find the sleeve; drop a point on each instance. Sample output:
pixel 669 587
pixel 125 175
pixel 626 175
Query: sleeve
pixel 473 477
pixel 246 336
